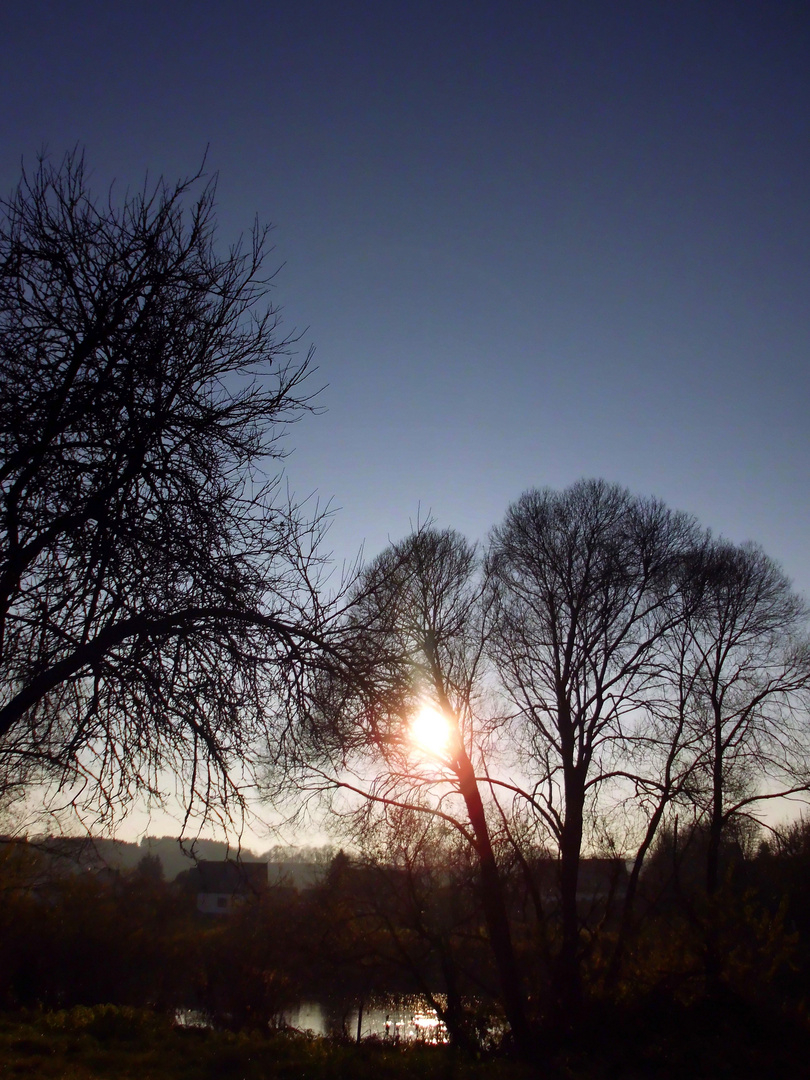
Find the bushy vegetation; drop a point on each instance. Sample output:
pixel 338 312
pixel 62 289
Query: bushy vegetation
pixel 93 969
pixel 669 1044
pixel 95 1043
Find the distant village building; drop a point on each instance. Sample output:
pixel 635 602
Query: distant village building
pixel 222 886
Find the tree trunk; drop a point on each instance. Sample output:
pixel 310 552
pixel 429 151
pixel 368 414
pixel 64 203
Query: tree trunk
pixel 492 892
pixel 716 822
pixel 713 859
pixel 615 967
pixel 359 1021
pixel 453 1012
pixel 569 988
pixel 495 913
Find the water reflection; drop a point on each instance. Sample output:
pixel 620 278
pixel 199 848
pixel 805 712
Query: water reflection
pixel 404 1019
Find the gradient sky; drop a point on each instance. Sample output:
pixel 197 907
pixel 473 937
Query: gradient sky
pixel 530 241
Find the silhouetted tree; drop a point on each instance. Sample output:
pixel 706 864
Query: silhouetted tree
pixel 153 587
pixel 88 938
pixel 587 583
pixel 750 673
pixel 418 623
pixel 250 961
pixel 424 896
pixel 667 754
pixel 150 868
pixel 587 617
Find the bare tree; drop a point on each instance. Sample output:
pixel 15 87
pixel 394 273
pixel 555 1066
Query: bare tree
pixel 418 624
pixel 665 756
pixel 587 583
pixel 153 587
pixel 422 890
pixel 749 672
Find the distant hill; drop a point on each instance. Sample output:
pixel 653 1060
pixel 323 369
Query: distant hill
pixel 287 865
pixel 176 856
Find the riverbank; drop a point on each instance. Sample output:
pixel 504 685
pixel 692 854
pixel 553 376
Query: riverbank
pixel 106 1042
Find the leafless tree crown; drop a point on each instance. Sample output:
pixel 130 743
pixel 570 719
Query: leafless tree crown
pixel 151 580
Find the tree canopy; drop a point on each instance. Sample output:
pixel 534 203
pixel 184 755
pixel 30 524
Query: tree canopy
pixel 155 588
pixel 603 666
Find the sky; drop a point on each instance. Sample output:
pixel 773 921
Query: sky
pixel 530 242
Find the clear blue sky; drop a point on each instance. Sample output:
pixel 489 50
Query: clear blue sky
pixel 530 241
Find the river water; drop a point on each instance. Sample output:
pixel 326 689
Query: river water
pixel 401 1019
pixel 405 1018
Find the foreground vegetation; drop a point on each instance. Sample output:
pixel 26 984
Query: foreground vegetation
pixel 94 966
pixel 107 1041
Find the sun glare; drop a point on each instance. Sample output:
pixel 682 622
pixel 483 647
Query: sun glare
pixel 430 731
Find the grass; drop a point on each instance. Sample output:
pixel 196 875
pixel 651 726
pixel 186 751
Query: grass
pixel 110 1043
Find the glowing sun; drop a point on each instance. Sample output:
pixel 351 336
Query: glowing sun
pixel 430 731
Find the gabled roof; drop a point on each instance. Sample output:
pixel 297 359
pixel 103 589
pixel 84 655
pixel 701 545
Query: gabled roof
pixel 231 878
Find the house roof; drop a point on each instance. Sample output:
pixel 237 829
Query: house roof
pixel 233 878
